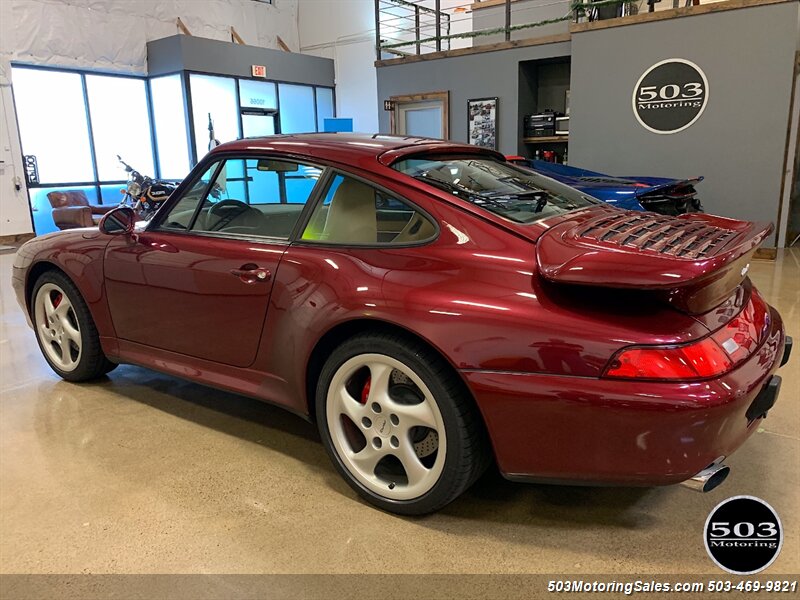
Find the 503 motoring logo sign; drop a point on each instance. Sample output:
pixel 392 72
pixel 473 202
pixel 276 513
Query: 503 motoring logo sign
pixel 743 535
pixel 670 96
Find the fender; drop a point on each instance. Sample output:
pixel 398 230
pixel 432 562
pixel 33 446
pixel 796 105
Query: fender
pixel 79 254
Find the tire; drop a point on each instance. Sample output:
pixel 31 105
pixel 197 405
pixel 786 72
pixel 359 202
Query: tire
pixel 398 424
pixel 65 330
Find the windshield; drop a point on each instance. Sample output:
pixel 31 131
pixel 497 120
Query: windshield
pixel 517 194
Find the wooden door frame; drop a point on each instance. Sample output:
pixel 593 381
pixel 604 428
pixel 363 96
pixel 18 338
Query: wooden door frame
pixel 443 97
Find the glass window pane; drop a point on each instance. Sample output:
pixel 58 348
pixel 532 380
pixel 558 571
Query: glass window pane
pixel 324 106
pixel 517 194
pixel 257 94
pixel 297 108
pixel 354 212
pixel 424 122
pixel 214 96
pixel 255 197
pixel 230 183
pixel 257 125
pixel 299 184
pixel 52 123
pixel 169 117
pixel 120 125
pixel 42 210
pixel 180 214
pixel 111 194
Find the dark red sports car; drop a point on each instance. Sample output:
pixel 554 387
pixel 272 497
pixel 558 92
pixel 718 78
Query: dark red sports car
pixel 433 308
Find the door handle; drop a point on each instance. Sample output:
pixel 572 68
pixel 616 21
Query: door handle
pixel 252 274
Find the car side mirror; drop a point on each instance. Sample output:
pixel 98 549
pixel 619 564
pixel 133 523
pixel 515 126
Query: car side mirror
pixel 120 220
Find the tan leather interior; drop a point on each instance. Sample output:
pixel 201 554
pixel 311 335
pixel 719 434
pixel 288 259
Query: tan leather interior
pixel 352 217
pixel 417 229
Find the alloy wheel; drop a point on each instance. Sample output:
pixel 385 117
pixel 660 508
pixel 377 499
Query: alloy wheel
pixel 386 427
pixel 57 327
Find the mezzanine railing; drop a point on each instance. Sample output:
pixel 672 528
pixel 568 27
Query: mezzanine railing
pixel 413 27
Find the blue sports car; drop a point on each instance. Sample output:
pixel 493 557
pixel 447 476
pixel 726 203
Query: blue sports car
pixel 657 194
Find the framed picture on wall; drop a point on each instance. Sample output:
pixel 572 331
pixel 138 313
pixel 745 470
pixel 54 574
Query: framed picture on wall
pixel 482 122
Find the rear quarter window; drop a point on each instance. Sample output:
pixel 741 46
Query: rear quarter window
pixel 355 213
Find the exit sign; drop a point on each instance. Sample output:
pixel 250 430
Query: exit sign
pixel 258 70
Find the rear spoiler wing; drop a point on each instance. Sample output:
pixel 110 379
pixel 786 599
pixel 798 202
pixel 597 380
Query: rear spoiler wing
pixel 644 190
pixel 695 261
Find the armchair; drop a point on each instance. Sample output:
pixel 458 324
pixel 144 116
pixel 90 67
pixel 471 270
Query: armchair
pixel 71 209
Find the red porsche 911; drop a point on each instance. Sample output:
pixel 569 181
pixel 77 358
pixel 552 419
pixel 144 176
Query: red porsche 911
pixel 433 308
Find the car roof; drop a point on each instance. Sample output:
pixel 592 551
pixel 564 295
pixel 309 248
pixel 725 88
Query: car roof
pixel 345 147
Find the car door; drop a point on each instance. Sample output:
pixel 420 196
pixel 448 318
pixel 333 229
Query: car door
pixel 198 280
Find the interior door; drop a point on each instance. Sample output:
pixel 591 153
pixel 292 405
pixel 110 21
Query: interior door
pixel 421 115
pixel 258 101
pixel 199 296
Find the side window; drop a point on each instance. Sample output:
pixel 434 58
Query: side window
pixel 180 216
pixel 260 197
pixel 354 212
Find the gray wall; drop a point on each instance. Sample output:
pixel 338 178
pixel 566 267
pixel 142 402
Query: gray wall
pixel 738 143
pixel 473 76
pixel 185 52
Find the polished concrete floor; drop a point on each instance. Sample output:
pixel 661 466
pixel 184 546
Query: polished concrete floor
pixel 144 473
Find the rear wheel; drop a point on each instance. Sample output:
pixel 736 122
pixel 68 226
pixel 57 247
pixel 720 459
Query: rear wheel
pixel 398 424
pixel 65 330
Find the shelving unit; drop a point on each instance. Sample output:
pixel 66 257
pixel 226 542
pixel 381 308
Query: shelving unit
pixel 542 86
pixel 552 139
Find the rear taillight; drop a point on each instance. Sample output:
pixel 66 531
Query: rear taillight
pixel 694 361
pixel 741 336
pixel 709 357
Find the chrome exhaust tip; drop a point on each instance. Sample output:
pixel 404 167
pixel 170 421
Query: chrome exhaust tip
pixel 708 479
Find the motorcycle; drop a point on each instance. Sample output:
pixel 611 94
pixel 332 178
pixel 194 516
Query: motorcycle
pixel 144 194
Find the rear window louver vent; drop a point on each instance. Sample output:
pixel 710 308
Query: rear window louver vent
pixel 658 234
pixel 608 180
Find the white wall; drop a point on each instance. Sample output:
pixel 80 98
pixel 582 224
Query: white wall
pixel 111 36
pixel 344 30
pixel 398 24
pixel 460 22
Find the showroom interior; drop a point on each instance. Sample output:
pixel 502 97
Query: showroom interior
pixel 143 471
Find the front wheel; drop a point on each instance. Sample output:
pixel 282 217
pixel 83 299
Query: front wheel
pixel 398 424
pixel 65 330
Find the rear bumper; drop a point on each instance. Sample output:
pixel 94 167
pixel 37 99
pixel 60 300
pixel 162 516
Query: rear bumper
pixel 599 431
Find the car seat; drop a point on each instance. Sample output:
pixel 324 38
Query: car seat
pixel 352 216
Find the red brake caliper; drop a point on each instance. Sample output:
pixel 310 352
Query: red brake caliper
pixel 365 390
pixel 56 302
